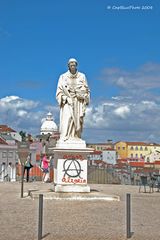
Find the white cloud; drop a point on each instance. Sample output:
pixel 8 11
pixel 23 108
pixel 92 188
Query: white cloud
pixel 133 114
pixel 21 113
pixel 124 119
pixel 15 102
pixel 9 99
pixel 138 83
pixel 149 104
pixel 118 118
pixel 95 117
pixel 121 82
pixel 122 111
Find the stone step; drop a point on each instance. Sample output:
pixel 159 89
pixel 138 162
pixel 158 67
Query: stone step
pixel 93 195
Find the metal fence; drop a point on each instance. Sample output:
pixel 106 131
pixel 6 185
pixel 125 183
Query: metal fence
pixel 102 175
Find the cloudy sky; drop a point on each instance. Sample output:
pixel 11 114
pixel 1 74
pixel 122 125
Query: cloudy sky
pixel 117 46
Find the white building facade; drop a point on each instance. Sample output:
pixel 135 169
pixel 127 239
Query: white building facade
pixel 9 161
pixel 109 156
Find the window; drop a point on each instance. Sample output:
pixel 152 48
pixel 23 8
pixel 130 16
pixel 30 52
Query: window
pixel 132 155
pixel 136 148
pixel 136 155
pixel 123 148
pixel 141 155
pixel 132 148
pixel 146 148
pixel 141 148
pixel 4 154
pixel 10 154
pixel 119 148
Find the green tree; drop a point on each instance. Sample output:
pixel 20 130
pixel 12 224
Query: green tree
pixel 23 135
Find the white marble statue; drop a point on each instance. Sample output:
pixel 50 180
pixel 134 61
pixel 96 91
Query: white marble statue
pixel 73 96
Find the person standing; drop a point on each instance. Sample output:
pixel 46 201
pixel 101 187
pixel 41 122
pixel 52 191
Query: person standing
pixel 45 167
pixel 27 167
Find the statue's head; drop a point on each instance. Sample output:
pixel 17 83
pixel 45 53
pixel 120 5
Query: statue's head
pixel 72 65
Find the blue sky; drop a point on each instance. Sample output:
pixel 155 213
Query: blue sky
pixel 116 49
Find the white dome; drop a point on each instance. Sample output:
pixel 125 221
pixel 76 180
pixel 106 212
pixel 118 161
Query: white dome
pixel 48 125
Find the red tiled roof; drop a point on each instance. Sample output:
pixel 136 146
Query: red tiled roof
pixel 96 152
pixel 157 162
pixel 98 161
pixel 2 141
pixel 122 160
pixel 149 163
pixel 137 143
pixel 140 143
pixel 136 164
pixel 146 170
pixel 5 128
pixel 120 165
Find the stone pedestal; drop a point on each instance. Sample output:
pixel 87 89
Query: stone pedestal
pixel 70 169
pixel 72 188
pixel 72 143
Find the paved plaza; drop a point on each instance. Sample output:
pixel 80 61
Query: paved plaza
pixel 75 219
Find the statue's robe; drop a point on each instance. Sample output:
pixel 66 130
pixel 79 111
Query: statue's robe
pixel 72 87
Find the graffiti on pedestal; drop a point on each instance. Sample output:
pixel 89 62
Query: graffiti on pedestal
pixel 72 168
pixel 73 171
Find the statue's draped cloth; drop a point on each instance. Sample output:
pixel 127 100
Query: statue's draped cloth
pixel 74 88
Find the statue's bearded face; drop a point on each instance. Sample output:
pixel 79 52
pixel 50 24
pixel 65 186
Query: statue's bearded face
pixel 72 67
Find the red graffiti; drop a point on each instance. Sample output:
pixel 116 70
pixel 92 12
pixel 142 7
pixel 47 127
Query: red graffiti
pixel 78 156
pixel 74 180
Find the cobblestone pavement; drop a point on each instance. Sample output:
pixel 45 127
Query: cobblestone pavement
pixel 73 220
